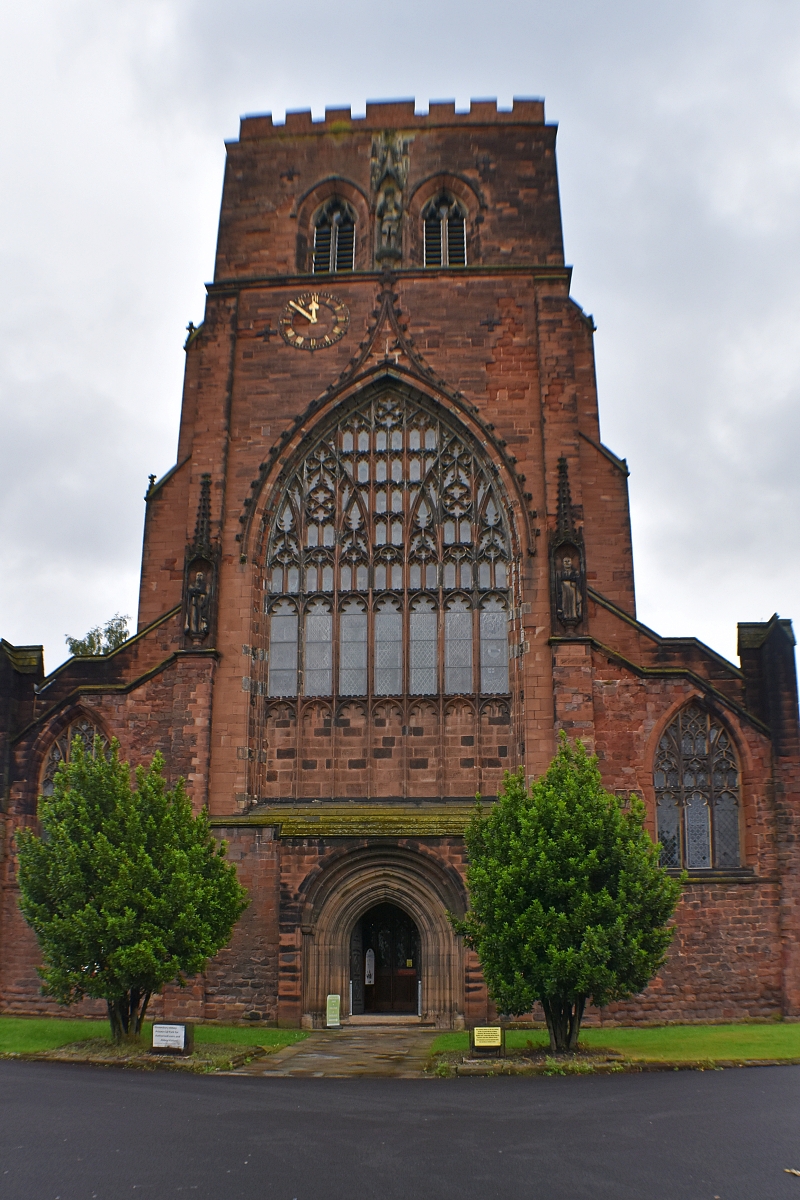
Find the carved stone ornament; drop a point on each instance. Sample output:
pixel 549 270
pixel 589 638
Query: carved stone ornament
pixel 388 176
pixel 567 560
pixel 200 574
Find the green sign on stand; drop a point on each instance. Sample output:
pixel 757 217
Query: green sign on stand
pixel 334 1005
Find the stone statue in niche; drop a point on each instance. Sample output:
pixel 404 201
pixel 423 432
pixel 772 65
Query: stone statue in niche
pixel 390 216
pixel 569 590
pixel 197 607
pixel 388 177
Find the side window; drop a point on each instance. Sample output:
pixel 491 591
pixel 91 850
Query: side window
pixel 61 749
pixel 697 785
pixel 444 233
pixel 334 238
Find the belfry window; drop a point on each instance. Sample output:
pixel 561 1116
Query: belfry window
pixel 389 562
pixel 334 239
pixel 697 790
pixel 445 233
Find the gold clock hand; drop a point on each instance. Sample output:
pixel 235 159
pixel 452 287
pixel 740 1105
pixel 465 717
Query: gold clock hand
pixel 311 317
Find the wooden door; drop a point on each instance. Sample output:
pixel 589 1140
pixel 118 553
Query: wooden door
pixel 392 936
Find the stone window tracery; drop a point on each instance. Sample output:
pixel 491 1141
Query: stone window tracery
pixel 697 789
pixel 444 230
pixel 91 737
pixel 388 562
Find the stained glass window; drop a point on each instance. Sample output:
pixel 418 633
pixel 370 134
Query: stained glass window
pixel 92 739
pixel 697 789
pixel 390 532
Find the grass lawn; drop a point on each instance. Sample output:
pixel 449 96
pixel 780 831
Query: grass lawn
pixel 669 1043
pixel 21 1035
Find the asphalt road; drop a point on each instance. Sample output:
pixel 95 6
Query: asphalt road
pixel 83 1133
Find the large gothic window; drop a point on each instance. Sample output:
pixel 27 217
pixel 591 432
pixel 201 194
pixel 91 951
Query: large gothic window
pixel 697 792
pixel 92 739
pixel 388 563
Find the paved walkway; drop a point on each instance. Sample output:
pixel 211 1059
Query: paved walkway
pixel 346 1052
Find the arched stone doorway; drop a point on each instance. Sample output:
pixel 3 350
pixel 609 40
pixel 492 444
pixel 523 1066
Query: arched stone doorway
pixel 355 884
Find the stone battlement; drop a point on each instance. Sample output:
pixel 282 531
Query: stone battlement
pixel 395 114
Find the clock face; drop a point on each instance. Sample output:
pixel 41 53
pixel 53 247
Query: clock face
pixel 314 320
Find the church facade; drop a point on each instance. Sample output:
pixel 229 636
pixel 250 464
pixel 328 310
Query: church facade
pixel 393 559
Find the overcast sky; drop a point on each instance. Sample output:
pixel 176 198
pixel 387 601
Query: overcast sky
pixel 679 161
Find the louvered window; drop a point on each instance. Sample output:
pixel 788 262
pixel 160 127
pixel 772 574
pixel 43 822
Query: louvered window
pixel 445 234
pixel 334 239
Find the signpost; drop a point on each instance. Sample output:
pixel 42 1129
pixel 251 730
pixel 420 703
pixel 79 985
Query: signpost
pixel 333 1007
pixel 172 1038
pixel 488 1041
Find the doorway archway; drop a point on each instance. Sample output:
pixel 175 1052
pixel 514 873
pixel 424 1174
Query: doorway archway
pixel 347 889
pixel 385 962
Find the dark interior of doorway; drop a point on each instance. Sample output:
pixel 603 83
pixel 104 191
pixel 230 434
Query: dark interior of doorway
pixel 393 938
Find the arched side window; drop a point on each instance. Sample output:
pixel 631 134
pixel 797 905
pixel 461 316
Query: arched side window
pixel 444 229
pixel 388 562
pixel 697 786
pixel 60 751
pixel 334 238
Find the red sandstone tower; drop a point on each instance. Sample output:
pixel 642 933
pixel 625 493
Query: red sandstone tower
pixel 392 560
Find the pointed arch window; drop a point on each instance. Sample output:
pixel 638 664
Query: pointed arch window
pixel 92 738
pixel 389 561
pixel 334 238
pixel 444 229
pixel 697 786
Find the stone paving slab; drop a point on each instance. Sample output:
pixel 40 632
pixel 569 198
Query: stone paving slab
pixel 345 1053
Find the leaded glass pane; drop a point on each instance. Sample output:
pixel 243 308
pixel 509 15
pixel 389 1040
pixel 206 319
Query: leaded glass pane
pixel 698 832
pixel 423 653
pixel 353 654
pixel 458 653
pixel 283 655
pixel 726 831
pixel 388 653
pixel 669 831
pixel 494 652
pixel 318 654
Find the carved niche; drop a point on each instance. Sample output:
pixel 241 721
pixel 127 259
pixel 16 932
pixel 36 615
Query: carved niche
pixel 388 177
pixel 567 560
pixel 200 576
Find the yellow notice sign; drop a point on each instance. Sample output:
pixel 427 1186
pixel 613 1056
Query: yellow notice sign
pixel 487 1035
pixel 333 1010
